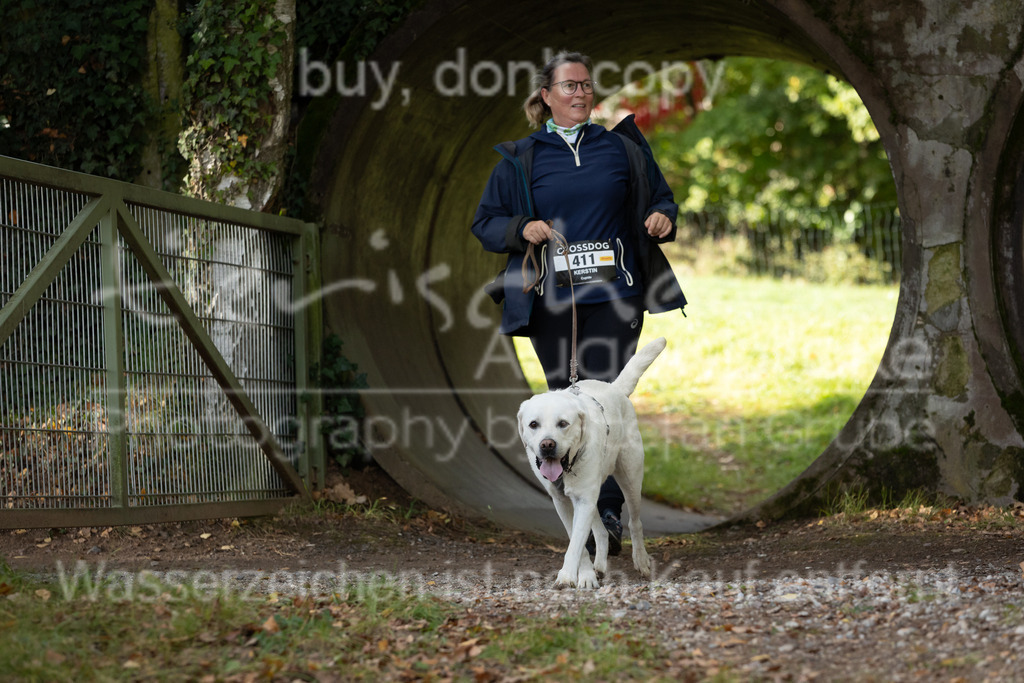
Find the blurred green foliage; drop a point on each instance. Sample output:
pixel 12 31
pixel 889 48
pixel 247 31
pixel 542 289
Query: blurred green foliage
pixel 779 138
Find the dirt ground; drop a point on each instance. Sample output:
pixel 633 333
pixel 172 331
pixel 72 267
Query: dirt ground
pixel 396 532
pixel 933 594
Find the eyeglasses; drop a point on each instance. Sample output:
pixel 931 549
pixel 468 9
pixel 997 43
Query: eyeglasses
pixel 569 87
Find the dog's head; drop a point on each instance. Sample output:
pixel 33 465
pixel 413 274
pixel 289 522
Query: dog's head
pixel 551 427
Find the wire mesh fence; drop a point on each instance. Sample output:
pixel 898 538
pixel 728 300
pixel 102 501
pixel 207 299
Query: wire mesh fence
pixel 53 436
pixel 187 443
pixel 106 400
pixel 861 245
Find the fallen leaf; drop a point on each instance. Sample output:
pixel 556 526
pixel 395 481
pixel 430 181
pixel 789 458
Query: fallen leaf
pixel 468 649
pixel 205 536
pixel 343 493
pixel 271 625
pixel 43 594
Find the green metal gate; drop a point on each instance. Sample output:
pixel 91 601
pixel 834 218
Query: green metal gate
pixel 153 364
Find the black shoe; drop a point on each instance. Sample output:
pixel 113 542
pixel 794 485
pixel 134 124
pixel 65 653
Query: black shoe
pixel 614 527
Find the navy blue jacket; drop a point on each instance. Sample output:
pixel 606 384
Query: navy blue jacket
pixel 507 206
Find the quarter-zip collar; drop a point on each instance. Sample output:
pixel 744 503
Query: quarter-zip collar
pixel 569 133
pixel 576 148
pixel 589 130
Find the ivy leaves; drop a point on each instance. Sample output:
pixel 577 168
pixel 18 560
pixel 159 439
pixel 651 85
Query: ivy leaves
pixel 68 83
pixel 81 88
pixel 237 52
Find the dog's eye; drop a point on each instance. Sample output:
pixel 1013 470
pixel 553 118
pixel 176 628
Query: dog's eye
pixel 534 425
pixel 562 424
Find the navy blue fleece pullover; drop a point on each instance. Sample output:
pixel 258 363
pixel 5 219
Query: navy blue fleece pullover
pixel 509 203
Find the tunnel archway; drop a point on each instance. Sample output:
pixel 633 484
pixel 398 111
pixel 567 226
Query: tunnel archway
pixel 398 179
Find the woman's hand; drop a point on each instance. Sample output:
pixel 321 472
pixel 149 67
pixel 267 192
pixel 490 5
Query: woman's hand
pixel 537 232
pixel 658 225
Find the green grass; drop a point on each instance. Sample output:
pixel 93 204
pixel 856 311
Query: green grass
pixel 755 383
pixel 378 630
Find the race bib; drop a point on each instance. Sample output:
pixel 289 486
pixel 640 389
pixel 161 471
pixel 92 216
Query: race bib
pixel 589 262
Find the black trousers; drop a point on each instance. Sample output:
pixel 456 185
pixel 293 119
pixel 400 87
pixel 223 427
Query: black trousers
pixel 606 338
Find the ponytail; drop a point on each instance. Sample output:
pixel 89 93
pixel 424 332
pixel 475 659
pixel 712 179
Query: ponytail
pixel 537 111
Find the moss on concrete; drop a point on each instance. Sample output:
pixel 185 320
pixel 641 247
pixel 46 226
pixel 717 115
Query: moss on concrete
pixel 953 370
pixel 945 277
pixel 1002 480
pixel 896 472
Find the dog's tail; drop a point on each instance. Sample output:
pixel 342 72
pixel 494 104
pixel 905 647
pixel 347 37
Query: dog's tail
pixel 630 375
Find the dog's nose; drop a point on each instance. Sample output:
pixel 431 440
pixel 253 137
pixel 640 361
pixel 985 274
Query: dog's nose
pixel 547 446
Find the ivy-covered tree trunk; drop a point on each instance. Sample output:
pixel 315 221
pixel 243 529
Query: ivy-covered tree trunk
pixel 237 99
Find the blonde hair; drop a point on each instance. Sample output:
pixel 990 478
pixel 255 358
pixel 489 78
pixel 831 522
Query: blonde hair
pixel 535 108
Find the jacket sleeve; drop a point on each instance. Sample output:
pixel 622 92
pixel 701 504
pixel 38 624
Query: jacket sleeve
pixel 660 194
pixel 662 199
pixel 497 224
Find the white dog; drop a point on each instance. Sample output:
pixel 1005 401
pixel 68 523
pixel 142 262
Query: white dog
pixel 574 441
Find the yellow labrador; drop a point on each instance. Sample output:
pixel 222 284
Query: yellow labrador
pixel 574 441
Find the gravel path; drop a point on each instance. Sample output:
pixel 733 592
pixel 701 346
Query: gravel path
pixel 952 624
pixel 926 595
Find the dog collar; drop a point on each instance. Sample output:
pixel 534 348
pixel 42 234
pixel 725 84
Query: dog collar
pixel 568 464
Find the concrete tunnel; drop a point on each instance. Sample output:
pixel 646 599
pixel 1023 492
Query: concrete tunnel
pixel 397 180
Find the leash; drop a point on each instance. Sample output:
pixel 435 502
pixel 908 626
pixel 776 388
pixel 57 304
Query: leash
pixel 531 259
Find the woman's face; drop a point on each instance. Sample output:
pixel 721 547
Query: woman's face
pixel 568 110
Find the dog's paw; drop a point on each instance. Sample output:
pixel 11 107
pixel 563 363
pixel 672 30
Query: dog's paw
pixel 565 579
pixel 642 562
pixel 588 580
pixel 601 565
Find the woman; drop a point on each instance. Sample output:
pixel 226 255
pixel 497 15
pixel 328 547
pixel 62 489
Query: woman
pixel 603 191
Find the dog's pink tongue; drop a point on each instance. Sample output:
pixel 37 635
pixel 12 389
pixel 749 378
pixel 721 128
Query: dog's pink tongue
pixel 551 469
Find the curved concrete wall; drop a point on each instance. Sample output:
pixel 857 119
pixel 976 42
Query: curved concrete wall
pixel 398 179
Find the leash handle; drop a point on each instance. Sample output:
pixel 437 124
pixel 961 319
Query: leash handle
pixel 531 259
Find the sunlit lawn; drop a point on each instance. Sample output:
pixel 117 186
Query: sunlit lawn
pixel 756 381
